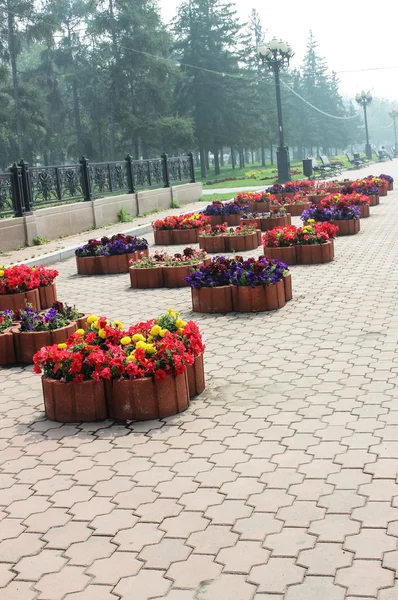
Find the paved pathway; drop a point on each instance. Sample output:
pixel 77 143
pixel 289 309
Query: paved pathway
pixel 233 191
pixel 278 483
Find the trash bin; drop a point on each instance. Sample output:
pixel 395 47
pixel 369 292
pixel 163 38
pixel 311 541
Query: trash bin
pixel 357 156
pixel 307 167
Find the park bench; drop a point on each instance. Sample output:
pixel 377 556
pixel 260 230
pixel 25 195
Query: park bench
pixel 333 167
pixel 321 171
pixel 356 162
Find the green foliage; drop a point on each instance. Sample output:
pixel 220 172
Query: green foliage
pixel 124 216
pixel 175 204
pixel 39 240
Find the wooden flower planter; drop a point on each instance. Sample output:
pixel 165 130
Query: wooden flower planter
pixel 295 210
pixel 259 299
pixel 268 223
pixel 262 206
pixel 185 236
pixel 316 198
pixel 212 300
pixel 142 399
pixel 7 348
pixel 20 300
pixel 232 220
pixel 106 265
pixel 196 377
pixel 163 237
pixel 241 243
pixel 347 226
pixel 287 285
pixel 174 277
pixel 149 278
pixel 365 210
pixel 214 244
pixel 47 295
pixel 74 402
pixel 289 195
pixel 286 255
pixel 81 322
pixel 374 200
pixel 314 254
pixel 383 190
pixel 216 220
pixel 390 186
pixel 27 343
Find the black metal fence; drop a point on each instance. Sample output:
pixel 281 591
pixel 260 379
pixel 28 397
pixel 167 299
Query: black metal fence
pixel 24 189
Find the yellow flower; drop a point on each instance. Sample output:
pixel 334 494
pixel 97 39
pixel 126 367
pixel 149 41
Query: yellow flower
pixel 91 319
pixel 180 324
pixel 126 340
pixel 150 338
pixel 156 329
pixel 311 221
pixel 138 337
pixel 171 312
pixel 102 334
pixel 163 332
pixel 141 345
pixel 131 358
pixel 2 273
pixel 117 325
pixel 95 325
pixel 61 346
pixel 80 331
pixel 150 349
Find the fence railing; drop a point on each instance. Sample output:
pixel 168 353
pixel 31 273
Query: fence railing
pixel 24 189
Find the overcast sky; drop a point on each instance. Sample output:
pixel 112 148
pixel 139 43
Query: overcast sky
pixel 351 35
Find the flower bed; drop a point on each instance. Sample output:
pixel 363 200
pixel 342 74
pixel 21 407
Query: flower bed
pixel 109 255
pixel 21 285
pixel 344 216
pixel 256 201
pixel 389 180
pixel 228 213
pixel 179 229
pixel 138 373
pixel 219 239
pixel 243 285
pixel 7 349
pixel 355 199
pixel 36 330
pixel 164 270
pixel 310 244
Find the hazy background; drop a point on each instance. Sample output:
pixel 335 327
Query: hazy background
pixel 351 35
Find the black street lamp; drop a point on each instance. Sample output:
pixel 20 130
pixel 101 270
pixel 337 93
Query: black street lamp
pixel 394 115
pixel 276 55
pixel 364 99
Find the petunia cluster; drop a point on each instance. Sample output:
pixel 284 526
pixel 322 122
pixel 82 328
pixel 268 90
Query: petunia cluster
pixel 21 278
pixel 115 245
pixel 59 315
pixel 186 221
pixel 333 213
pixel 6 320
pixel 311 233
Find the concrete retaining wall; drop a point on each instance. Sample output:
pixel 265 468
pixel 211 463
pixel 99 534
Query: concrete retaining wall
pixel 68 219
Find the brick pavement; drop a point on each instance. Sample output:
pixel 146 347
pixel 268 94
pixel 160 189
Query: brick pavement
pixel 278 483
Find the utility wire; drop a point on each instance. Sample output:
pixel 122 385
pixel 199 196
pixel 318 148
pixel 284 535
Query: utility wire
pixel 318 109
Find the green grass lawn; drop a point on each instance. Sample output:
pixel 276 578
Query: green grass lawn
pixel 209 198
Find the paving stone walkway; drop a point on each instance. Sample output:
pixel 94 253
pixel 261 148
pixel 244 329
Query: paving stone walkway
pixel 278 483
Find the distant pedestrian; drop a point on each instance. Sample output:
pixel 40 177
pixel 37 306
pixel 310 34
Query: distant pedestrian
pixel 385 153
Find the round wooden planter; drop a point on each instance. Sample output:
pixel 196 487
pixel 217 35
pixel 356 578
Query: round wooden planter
pixel 162 237
pixel 174 277
pixel 212 300
pixel 374 200
pixel 27 343
pixel 383 190
pixel 214 244
pixel 185 236
pixel 74 402
pixel 196 376
pixel 81 322
pixel 146 278
pixel 253 222
pixel 286 255
pixel 289 195
pixel 365 210
pixel 143 399
pixel 258 299
pixel 47 295
pixel 315 253
pixel 232 220
pixel 295 210
pixel 105 265
pixel 316 198
pixel 268 223
pixel 216 220
pixel 262 206
pixel 287 284
pixel 348 226
pixel 7 349
pixel 390 186
pixel 241 243
pixel 20 300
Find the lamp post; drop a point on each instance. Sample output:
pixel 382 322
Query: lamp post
pixel 276 55
pixel 364 99
pixel 394 115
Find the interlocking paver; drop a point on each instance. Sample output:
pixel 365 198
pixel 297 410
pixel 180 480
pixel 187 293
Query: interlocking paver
pixel 110 570
pixel 163 554
pixel 289 542
pixel 192 572
pixel 56 585
pixel 314 588
pixel 31 568
pixel 364 577
pixel 133 539
pixel 257 526
pixel 325 559
pixel 212 539
pixel 276 575
pixel 370 543
pixel 229 586
pixel 241 557
pixel 334 528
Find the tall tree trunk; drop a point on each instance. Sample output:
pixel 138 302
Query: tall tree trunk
pixel 253 161
pixel 114 87
pixel 136 149
pixel 262 155
pixel 241 158
pixel 76 105
pixel 207 160
pixel 15 84
pixel 216 162
pixel 233 158
pixel 145 154
pixel 202 153
pixel 222 156
pixel 271 148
